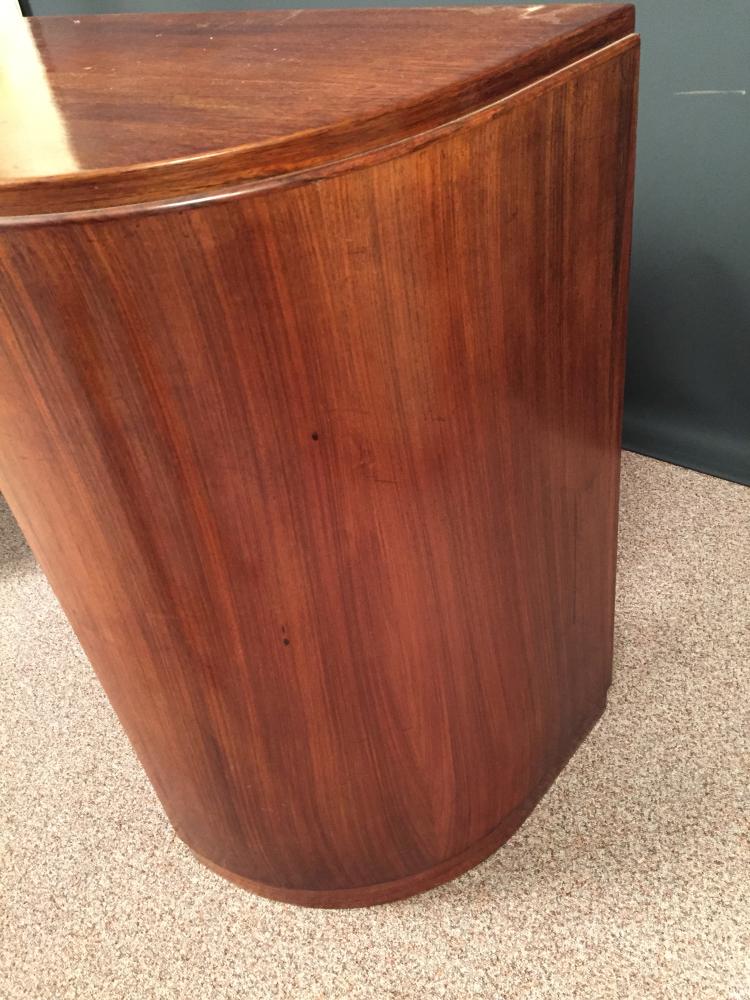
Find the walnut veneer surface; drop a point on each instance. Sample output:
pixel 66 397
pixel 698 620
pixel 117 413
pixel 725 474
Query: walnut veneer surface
pixel 311 368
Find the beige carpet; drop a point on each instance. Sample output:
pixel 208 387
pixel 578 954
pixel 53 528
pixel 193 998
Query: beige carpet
pixel 631 880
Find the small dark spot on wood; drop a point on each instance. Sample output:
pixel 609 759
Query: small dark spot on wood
pixel 315 436
pixel 286 642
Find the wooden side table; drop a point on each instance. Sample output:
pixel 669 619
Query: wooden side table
pixel 311 361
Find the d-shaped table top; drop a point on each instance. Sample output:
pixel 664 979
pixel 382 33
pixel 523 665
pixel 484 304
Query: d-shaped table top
pixel 118 109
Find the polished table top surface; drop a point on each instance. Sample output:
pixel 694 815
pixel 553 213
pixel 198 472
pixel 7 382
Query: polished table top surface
pixel 112 109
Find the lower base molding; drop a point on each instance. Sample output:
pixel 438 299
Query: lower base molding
pixel 411 885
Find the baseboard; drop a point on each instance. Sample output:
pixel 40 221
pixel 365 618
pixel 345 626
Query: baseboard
pixel 704 450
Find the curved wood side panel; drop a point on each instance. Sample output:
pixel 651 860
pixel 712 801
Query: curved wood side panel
pixel 325 478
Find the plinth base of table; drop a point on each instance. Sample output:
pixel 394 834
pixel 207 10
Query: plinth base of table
pixel 386 892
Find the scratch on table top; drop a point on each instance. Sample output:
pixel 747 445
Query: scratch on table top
pixel 288 17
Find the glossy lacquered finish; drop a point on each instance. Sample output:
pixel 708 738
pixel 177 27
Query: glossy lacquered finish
pixel 324 472
pixel 131 108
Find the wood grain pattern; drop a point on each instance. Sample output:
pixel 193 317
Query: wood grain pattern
pixel 166 105
pixel 325 477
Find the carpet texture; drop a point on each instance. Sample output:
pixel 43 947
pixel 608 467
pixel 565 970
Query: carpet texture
pixel 630 880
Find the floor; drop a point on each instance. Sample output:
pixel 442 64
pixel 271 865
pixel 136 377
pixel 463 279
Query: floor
pixel 631 879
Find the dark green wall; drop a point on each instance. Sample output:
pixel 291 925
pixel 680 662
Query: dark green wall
pixel 688 382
